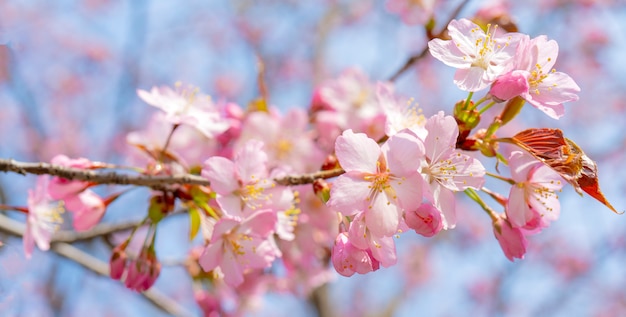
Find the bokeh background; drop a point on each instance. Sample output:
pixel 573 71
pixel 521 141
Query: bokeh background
pixel 69 71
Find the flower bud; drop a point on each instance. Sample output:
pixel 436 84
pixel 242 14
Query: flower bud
pixel 512 240
pixel 509 85
pixel 425 220
pixel 118 261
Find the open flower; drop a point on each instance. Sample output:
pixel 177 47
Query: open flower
pixel 532 200
pixel 239 245
pixel 43 218
pixel 185 105
pixel 479 57
pixel 548 89
pixel 446 169
pixel 379 181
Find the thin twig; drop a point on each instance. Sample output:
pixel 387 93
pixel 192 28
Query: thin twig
pixel 154 181
pixel 308 178
pixel 89 262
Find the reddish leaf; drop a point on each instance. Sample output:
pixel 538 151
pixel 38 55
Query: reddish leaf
pixel 563 156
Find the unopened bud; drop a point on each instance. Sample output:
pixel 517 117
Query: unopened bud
pixel 321 188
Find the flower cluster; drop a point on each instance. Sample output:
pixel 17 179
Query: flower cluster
pixel 388 169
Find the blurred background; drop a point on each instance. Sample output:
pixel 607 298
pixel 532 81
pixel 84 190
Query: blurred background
pixel 69 71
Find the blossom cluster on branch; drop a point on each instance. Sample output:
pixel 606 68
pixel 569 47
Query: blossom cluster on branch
pixel 334 185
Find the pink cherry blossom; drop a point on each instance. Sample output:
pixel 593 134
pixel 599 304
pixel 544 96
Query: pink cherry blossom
pixel 511 239
pixel 185 105
pixel 534 194
pixel 244 184
pixel 43 218
pixel 412 11
pixel 381 248
pixel 348 259
pixel 479 57
pixel 548 89
pixel 239 245
pixel 400 115
pixel 348 102
pixel 287 141
pixel 379 181
pixel 60 188
pixel 425 220
pixel 87 209
pixel 446 169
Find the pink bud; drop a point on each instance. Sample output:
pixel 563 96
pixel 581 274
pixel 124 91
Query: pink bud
pixel 118 261
pixel 348 259
pixel 425 220
pixel 512 240
pixel 510 85
pixel 143 272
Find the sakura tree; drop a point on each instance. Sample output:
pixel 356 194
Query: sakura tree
pixel 335 158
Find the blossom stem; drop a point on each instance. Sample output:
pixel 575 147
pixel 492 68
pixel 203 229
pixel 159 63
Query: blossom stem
pixel 497 197
pixel 474 196
pixel 169 138
pixel 506 179
pixel 469 100
pixel 485 108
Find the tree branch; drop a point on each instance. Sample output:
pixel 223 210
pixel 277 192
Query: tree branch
pixel 89 262
pixel 154 181
pixel 41 168
pixel 413 59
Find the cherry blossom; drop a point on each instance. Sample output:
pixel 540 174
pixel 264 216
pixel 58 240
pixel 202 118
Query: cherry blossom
pixel 244 184
pixel 43 219
pixel 479 57
pixel 400 115
pixel 425 220
pixel 446 169
pixel 379 181
pixel 412 11
pixel 548 89
pixel 239 245
pixel 185 105
pixel 532 200
pixel 348 259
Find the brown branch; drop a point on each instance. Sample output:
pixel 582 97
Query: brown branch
pixel 413 59
pixel 308 178
pixel 89 262
pixel 154 181
pixel 41 168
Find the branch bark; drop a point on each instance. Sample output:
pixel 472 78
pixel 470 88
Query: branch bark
pixel 154 181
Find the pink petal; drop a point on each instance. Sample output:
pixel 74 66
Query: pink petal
pixel 211 257
pixel 357 152
pixel 471 79
pixel 445 202
pixel 250 162
pixel 404 153
pixel 233 272
pixel 348 193
pixel 442 133
pixel 517 210
pixel 220 172
pixel 408 190
pixel 448 53
pixel 261 223
pixel 383 216
pixel 425 220
pixel 384 250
